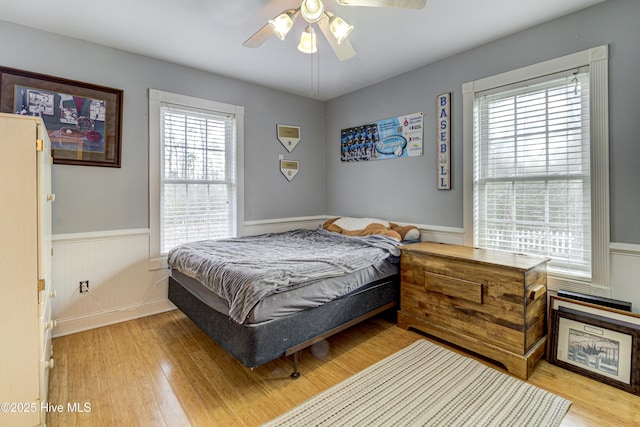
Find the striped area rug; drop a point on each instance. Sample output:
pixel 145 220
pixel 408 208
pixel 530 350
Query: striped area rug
pixel 427 385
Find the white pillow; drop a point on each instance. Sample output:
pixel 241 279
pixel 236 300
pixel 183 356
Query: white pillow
pixel 351 223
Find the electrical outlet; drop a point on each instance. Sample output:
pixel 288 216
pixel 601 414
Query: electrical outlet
pixel 84 286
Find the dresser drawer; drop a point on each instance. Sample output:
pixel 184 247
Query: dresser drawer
pixel 453 287
pixel 497 295
pixel 482 322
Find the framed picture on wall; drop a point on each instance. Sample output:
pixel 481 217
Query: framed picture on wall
pixel 84 121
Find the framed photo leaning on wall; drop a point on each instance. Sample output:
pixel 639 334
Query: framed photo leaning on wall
pixel 598 342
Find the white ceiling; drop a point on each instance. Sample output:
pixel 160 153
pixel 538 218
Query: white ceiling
pixel 208 35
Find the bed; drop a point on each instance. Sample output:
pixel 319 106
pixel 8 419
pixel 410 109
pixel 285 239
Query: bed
pixel 268 296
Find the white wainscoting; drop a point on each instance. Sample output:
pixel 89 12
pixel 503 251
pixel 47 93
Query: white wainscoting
pixel 625 273
pixel 450 235
pixel 428 233
pixel 123 286
pixel 252 228
pixel 116 264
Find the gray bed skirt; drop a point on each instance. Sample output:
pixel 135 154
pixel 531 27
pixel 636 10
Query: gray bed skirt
pixel 255 344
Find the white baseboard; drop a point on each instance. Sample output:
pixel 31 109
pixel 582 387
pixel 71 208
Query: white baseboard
pixel 109 317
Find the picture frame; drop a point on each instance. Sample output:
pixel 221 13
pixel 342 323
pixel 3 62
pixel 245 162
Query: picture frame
pixel 391 138
pixel 598 342
pixel 83 120
pixel 597 300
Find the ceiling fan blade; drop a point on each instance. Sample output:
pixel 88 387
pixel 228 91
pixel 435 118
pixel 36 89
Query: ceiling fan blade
pixel 267 30
pixel 342 50
pixel 260 36
pixel 404 4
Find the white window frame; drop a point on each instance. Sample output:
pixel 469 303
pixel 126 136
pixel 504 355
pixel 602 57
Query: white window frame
pixel 156 97
pixel 597 59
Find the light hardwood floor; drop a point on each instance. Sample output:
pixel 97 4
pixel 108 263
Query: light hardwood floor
pixel 163 371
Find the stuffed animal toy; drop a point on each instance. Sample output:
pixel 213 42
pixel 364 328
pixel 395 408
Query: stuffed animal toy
pixel 372 226
pixel 406 232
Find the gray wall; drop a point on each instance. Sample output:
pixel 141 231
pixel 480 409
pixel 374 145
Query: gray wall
pixel 405 189
pixel 98 199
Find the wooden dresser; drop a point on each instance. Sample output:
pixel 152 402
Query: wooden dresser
pixel 492 303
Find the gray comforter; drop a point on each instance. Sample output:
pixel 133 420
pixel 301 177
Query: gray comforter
pixel 244 270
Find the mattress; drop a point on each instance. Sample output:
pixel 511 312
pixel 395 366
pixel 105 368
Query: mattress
pixel 244 271
pixel 296 299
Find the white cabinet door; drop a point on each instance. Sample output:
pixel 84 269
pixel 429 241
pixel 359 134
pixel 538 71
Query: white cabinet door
pixel 20 225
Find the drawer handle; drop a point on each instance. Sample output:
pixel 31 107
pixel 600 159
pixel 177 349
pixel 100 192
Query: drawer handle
pixel 537 291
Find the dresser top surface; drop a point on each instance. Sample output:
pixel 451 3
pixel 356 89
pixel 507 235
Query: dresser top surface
pixel 481 256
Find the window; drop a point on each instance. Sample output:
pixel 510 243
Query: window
pixel 195 185
pixel 531 187
pixel 198 178
pixel 536 166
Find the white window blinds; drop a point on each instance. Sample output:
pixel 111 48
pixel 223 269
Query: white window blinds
pixel 532 186
pixel 198 176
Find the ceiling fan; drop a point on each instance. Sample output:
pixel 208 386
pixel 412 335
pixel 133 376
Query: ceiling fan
pixel 335 29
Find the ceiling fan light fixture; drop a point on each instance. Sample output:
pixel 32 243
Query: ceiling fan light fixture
pixel 339 28
pixel 281 24
pixel 335 29
pixel 312 10
pixel 308 41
